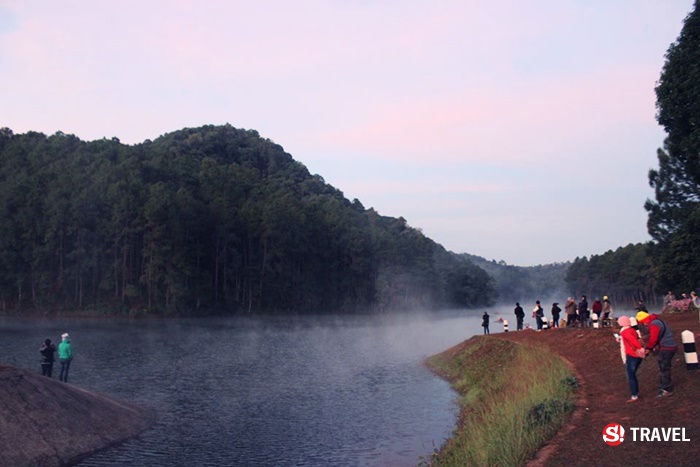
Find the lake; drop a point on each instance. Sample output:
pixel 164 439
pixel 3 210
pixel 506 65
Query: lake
pixel 265 390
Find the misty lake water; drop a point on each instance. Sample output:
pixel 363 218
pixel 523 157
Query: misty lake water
pixel 265 391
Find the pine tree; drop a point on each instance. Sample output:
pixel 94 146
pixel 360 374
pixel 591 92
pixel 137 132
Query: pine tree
pixel 673 216
pixel 677 180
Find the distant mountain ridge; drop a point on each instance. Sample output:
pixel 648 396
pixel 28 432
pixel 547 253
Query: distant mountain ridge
pixel 525 283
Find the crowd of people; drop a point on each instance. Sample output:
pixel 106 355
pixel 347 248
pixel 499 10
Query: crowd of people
pixel 578 314
pixel 634 349
pixel 48 356
pixel 686 302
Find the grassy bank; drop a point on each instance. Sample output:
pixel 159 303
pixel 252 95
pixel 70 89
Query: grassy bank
pixel 512 399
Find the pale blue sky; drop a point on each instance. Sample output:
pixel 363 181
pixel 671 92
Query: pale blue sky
pixel 517 131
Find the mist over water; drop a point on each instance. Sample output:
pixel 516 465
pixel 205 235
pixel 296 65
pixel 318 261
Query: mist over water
pixel 270 390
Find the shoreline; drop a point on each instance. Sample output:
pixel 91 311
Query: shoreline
pixel 511 400
pixel 600 398
pixel 49 423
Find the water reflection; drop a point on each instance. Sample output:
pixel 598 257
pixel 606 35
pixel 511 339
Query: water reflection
pixel 267 390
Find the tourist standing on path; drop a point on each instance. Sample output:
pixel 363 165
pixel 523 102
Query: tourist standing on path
pixel 606 319
pixel 668 299
pixel 485 322
pixel 555 315
pixel 65 356
pixel 519 316
pixel 661 335
pixel 47 351
pixel 597 308
pixel 570 310
pixel 583 311
pixel 538 313
pixel 632 354
pixel 695 300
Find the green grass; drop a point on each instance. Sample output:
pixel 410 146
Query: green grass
pixel 512 399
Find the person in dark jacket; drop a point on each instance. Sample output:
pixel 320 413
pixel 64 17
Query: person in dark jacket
pixel 555 315
pixel 583 312
pixel 538 313
pixel 47 351
pixel 641 306
pixel 660 334
pixel 519 316
pixel 485 322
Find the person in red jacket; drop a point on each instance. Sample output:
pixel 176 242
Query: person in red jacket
pixel 632 354
pixel 660 334
pixel 597 308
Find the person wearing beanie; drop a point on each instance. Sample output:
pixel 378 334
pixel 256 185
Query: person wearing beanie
pixel 633 354
pixel 660 335
pixel 65 356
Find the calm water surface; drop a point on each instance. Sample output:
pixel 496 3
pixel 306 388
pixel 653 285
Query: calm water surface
pixel 265 391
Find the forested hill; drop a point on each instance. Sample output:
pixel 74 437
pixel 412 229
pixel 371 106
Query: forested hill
pixel 625 275
pixel 210 219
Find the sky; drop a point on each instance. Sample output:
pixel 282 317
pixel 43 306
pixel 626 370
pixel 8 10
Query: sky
pixel 517 131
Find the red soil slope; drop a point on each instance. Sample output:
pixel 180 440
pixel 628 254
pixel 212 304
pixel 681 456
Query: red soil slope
pixel 595 357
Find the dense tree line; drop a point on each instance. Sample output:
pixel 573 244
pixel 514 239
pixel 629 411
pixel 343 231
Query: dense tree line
pixel 674 214
pixel 625 275
pixel 212 218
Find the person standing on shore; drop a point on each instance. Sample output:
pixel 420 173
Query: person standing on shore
pixel 555 315
pixel 519 316
pixel 660 334
pixel 695 300
pixel 607 317
pixel 583 311
pixel 570 309
pixel 65 356
pixel 538 313
pixel 597 308
pixel 668 299
pixel 641 307
pixel 47 351
pixel 633 354
pixel 485 322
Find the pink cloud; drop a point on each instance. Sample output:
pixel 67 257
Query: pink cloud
pixel 524 123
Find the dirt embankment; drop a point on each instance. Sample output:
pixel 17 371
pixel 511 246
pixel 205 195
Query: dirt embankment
pixel 44 422
pixel 595 357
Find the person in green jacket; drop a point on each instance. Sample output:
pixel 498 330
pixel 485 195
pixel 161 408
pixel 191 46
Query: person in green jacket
pixel 65 356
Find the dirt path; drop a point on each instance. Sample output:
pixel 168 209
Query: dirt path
pixel 595 356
